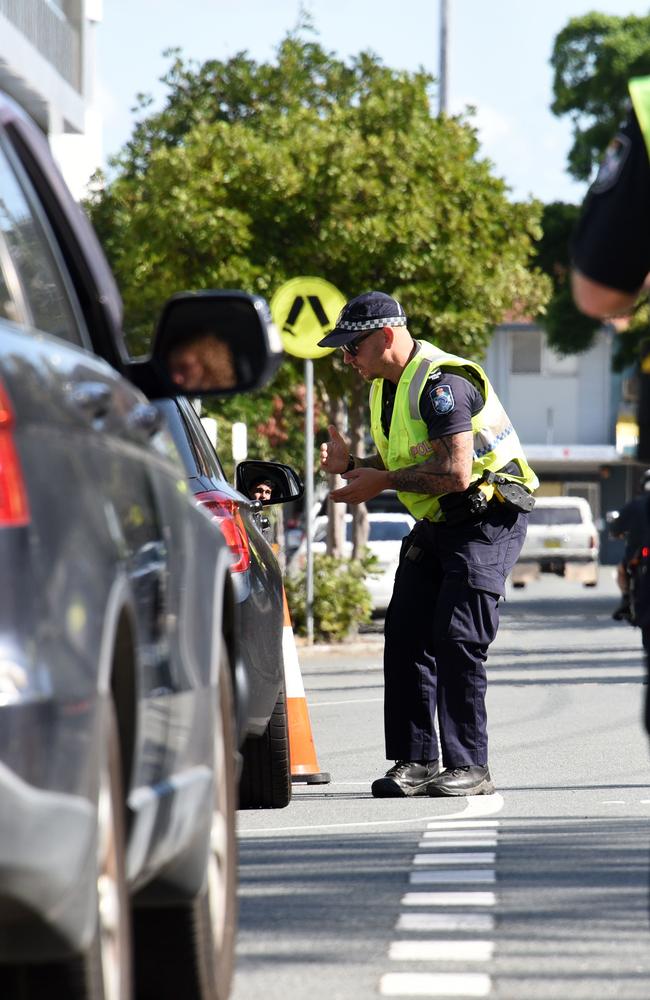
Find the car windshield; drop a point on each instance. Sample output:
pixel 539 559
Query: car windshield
pixel 555 515
pixel 382 531
pixel 379 531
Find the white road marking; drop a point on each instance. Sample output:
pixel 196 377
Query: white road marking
pixel 468 824
pixel 441 984
pixel 447 876
pixel 316 828
pixel 467 841
pixel 468 831
pixel 449 899
pixel 441 951
pixel 479 923
pixel 479 805
pixel 460 858
pixel 613 802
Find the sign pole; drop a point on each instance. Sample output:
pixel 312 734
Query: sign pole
pixel 309 495
pixel 305 309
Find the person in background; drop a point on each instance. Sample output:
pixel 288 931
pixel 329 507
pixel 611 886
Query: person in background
pixel 262 490
pixel 202 362
pixel 632 524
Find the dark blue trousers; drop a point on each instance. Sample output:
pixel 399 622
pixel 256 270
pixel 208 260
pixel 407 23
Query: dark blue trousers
pixel 442 617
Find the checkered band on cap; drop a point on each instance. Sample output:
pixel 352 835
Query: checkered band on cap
pixel 376 323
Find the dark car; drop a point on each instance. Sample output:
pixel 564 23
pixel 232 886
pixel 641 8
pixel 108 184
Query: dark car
pixel 119 638
pixel 266 773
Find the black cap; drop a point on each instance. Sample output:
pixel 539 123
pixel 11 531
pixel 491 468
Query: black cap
pixel 370 311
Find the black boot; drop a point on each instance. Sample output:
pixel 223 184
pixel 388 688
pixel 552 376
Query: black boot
pixel 405 778
pixel 464 780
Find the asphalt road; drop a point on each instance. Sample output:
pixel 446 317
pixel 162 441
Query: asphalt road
pixel 539 892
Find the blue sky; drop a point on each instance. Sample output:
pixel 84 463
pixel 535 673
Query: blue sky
pixel 498 61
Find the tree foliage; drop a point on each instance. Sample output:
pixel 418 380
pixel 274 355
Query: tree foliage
pixel 254 173
pixel 593 58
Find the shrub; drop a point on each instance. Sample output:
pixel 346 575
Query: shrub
pixel 341 598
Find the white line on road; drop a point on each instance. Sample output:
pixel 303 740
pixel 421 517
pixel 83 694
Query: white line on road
pixel 466 841
pixel 478 825
pixel 480 923
pixel 447 876
pixel 441 984
pixel 460 858
pixel 441 951
pixel 449 899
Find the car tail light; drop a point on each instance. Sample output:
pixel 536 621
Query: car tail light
pixel 226 513
pixel 645 552
pixel 14 509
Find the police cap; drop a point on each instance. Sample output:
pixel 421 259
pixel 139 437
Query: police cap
pixel 370 311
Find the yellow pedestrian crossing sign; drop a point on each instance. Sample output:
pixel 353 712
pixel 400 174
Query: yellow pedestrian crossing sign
pixel 305 310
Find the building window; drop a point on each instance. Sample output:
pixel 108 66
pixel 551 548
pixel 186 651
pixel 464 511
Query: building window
pixel 559 364
pixel 527 351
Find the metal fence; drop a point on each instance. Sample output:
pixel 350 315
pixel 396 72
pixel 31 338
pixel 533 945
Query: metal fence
pixel 49 32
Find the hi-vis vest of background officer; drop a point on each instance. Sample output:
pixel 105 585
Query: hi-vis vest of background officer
pixel 639 88
pixel 495 439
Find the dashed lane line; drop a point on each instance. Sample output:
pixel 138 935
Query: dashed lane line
pixel 441 951
pixel 448 912
pixel 434 984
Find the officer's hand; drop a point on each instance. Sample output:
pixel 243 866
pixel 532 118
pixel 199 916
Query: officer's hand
pixel 361 484
pixel 335 453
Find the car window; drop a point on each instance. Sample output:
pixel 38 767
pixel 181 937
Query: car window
pixel 388 531
pixel 29 265
pixel 555 515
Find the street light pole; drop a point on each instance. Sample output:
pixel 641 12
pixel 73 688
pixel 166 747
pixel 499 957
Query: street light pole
pixel 442 64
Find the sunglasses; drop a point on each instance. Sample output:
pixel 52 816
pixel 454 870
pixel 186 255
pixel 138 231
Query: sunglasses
pixel 353 347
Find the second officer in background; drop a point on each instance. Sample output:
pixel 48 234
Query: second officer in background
pixel 445 443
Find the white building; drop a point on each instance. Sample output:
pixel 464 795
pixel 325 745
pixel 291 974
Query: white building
pixel 573 415
pixel 47 64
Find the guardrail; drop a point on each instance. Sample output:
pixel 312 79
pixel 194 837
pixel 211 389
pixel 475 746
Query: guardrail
pixel 49 32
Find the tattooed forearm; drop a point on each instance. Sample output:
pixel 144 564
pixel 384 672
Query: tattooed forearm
pixel 448 469
pixel 369 462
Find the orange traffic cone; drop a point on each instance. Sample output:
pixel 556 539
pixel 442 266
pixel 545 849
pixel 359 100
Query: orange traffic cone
pixel 304 764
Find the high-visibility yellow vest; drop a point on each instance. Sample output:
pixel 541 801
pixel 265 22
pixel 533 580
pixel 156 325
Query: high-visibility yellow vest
pixel 495 439
pixel 639 87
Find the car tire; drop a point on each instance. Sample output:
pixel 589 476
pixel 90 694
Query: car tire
pixel 188 950
pixel 266 774
pixel 103 971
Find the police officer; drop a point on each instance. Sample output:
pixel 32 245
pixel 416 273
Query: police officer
pixel 446 445
pixel 611 246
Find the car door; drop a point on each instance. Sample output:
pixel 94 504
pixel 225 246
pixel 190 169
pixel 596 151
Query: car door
pixel 99 468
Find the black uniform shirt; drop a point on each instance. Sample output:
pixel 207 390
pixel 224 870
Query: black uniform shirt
pixel 447 404
pixel 611 244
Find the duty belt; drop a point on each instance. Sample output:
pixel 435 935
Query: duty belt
pixel 473 503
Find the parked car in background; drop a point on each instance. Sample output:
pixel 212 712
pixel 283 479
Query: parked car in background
pixel 562 539
pixel 260 697
pixel 385 534
pixel 119 638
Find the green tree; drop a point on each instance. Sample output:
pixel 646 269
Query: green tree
pixel 253 173
pixel 593 58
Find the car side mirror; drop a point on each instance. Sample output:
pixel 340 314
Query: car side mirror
pixel 215 343
pixel 268 482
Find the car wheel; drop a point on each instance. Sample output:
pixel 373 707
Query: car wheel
pixel 266 774
pixel 518 585
pixel 103 972
pixel 188 950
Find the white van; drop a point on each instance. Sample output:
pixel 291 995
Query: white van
pixel 563 539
